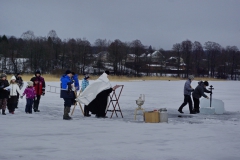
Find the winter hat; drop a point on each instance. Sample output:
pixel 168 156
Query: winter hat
pixel 86 76
pixel 73 73
pixel 191 77
pixel 68 72
pixel 107 72
pixel 30 83
pixel 3 75
pixel 37 72
pixel 205 83
pixel 18 74
pixel 13 78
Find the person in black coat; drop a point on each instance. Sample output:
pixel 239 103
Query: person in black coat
pixel 4 94
pixel 99 104
pixel 198 93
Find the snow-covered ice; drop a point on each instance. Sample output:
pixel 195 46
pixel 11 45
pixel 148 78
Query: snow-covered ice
pixel 46 136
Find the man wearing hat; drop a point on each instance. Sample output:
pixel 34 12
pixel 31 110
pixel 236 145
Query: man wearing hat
pixel 187 95
pixel 39 85
pixel 4 94
pixel 67 88
pixel 198 93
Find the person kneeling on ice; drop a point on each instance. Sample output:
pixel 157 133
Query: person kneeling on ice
pixel 30 96
pixel 67 88
pixel 187 95
pixel 95 96
pixel 198 93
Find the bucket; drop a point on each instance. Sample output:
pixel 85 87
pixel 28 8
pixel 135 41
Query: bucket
pixel 163 115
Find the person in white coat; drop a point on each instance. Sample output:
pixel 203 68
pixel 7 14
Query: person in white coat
pixel 14 90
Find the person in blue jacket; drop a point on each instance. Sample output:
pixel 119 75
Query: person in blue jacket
pixel 76 81
pixel 67 87
pixel 76 85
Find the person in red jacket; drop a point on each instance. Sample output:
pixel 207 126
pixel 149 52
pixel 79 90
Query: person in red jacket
pixel 39 86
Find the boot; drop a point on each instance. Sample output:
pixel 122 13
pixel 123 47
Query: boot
pixel 66 111
pixel 86 112
pixel 180 109
pixel 3 112
pixel 192 112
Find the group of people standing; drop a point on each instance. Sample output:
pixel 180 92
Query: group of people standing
pixel 10 92
pixel 196 93
pixel 94 96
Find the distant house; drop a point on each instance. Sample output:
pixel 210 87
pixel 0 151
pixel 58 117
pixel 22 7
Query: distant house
pixel 172 63
pixel 130 58
pixel 103 56
pixel 156 57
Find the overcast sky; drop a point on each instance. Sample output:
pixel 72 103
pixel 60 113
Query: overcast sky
pixel 160 23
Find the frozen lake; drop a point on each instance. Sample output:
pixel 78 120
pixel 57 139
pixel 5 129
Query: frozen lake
pixel 45 135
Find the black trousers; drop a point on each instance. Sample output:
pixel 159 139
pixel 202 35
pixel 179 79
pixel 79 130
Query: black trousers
pixel 67 102
pixel 36 102
pixel 196 104
pixel 187 100
pixel 12 103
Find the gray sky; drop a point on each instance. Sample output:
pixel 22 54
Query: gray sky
pixel 160 23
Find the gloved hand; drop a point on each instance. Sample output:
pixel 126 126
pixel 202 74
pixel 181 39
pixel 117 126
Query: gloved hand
pixel 43 93
pixel 210 92
pixel 21 97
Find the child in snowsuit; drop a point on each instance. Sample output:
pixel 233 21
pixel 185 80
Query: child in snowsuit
pixel 13 97
pixel 85 83
pixel 30 96
pixel 4 94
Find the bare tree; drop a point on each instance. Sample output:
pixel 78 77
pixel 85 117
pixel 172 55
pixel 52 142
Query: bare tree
pixel 213 51
pixel 101 46
pixel 186 48
pixel 197 56
pixel 233 54
pixel 115 55
pixel 84 53
pixel 177 49
pixel 137 49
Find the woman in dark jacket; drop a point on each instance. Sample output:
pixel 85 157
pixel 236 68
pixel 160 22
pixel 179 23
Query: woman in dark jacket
pixel 198 93
pixel 4 94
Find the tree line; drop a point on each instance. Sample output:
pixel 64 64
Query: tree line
pixel 52 55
